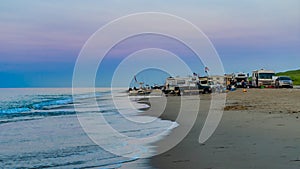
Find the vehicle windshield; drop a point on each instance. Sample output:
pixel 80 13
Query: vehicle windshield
pixel 240 79
pixel 284 78
pixel 266 75
pixel 210 83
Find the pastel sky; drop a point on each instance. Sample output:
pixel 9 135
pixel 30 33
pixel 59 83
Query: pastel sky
pixel 41 40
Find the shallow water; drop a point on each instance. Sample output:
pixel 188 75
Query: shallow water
pixel 39 128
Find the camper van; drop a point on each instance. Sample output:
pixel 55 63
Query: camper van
pixel 263 78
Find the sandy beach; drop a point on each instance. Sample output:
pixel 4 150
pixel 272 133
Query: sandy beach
pixel 259 130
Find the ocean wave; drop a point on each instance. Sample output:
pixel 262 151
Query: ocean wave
pixel 47 104
pixel 67 158
pixel 15 110
pixel 60 142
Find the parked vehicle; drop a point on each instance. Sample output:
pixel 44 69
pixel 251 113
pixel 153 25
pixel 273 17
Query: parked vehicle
pixel 204 89
pixel 241 80
pixel 284 81
pixel 206 81
pixel 172 91
pixel 185 86
pixel 263 78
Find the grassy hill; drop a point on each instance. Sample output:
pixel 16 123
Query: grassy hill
pixel 294 74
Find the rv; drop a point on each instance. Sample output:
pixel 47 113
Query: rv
pixel 205 81
pixel 263 78
pixel 241 80
pixel 185 85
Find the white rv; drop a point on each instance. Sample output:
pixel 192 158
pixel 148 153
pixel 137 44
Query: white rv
pixel 185 85
pixel 182 82
pixel 263 78
pixel 241 79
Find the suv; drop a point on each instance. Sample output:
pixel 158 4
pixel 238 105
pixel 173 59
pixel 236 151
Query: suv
pixel 204 89
pixel 284 81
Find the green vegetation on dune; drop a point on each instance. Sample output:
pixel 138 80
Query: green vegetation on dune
pixel 294 74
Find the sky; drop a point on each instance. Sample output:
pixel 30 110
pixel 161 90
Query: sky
pixel 41 40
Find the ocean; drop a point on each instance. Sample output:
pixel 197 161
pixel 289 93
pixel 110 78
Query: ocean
pixel 39 128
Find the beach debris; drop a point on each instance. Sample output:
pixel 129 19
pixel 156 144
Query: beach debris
pixel 180 161
pixel 235 107
pixel 296 160
pixel 220 147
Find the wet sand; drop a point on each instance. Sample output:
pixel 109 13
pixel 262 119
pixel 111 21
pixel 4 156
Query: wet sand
pixel 259 129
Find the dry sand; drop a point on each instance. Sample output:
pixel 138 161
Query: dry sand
pixel 259 129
